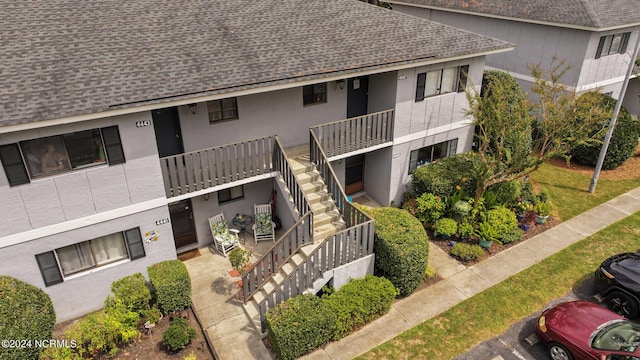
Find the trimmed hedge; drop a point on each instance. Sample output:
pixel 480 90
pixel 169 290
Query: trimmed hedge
pixel 401 248
pixel 26 313
pixel 624 139
pixel 467 252
pixel 299 326
pixel 360 301
pixel 442 177
pixel 172 283
pixel 133 291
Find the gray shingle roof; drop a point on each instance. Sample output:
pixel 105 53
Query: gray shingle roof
pixel 596 14
pixel 68 57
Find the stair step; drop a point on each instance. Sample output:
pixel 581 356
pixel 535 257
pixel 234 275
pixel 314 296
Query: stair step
pixel 316 197
pixel 252 311
pixel 325 218
pixel 314 186
pixel 322 207
pixel 259 296
pixel 308 177
pixel 324 231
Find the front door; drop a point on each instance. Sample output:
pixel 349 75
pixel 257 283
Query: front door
pixel 354 174
pixel 357 96
pixel 184 233
pixel 166 124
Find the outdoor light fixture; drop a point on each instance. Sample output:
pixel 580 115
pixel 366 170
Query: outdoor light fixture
pixel 340 83
pixel 193 108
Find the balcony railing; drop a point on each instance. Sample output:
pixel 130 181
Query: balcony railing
pixel 344 136
pixel 202 169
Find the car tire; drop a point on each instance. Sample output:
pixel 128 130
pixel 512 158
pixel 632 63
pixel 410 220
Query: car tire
pixel 558 352
pixel 622 304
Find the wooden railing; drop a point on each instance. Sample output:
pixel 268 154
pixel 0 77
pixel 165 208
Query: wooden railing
pixel 202 169
pixel 281 164
pixel 350 214
pixel 341 137
pixel 300 234
pixel 334 251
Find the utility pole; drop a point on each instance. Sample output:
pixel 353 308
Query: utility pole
pixel 616 110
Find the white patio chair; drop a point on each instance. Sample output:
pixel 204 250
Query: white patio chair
pixel 224 239
pixel 263 228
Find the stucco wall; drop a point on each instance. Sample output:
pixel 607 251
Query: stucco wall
pixel 378 175
pixel 81 193
pixel 86 292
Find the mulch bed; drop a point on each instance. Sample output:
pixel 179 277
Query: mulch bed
pixel 495 247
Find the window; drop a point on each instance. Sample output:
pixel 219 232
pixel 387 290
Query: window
pixel 35 158
pixel 230 194
pixel 57 264
pixel 224 109
pixel 431 153
pixel 443 81
pixel 314 94
pixel 612 44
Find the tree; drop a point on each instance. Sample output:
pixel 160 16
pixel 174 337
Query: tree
pixel 516 136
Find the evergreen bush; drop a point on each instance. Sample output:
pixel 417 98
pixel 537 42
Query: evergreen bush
pixel 467 252
pixel 401 248
pixel 26 313
pixel 172 284
pixel 178 335
pixel 132 291
pixel 299 325
pixel 446 176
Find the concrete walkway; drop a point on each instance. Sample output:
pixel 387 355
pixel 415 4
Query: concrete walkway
pixel 233 338
pixel 460 282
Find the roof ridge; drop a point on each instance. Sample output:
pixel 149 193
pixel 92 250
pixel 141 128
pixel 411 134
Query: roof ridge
pixel 593 15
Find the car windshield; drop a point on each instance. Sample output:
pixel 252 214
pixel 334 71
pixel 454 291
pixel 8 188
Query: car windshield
pixel 618 336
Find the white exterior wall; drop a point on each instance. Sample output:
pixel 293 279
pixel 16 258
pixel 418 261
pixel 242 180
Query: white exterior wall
pixel 85 292
pixel 80 193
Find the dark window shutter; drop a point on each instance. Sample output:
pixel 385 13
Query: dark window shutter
pixel 600 45
pixel 413 161
pixel 49 268
pixel 13 165
pixel 134 243
pixel 463 75
pixel 624 43
pixel 422 79
pixel 113 145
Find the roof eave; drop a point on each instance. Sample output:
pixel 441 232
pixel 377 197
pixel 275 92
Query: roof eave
pixel 238 91
pixel 537 22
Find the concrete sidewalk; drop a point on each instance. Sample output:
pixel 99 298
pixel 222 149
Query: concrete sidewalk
pixel 461 282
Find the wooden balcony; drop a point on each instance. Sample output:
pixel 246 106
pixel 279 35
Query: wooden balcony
pixel 199 170
pixel 354 134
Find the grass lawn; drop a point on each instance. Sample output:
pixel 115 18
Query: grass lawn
pixel 569 191
pixel 491 312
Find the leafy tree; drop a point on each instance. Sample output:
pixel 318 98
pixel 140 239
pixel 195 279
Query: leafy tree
pixel 516 136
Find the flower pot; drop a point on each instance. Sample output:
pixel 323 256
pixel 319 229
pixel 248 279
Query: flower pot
pixel 525 227
pixel 485 244
pixel 520 217
pixel 443 236
pixel 541 219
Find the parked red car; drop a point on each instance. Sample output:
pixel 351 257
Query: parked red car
pixel 581 330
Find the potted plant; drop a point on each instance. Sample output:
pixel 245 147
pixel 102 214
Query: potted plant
pixel 445 227
pixel 542 209
pixel 465 229
pixel 239 259
pixel 522 208
pixel 528 221
pixel 487 234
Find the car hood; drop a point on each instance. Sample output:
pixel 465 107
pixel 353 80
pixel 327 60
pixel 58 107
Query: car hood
pixel 626 270
pixel 577 320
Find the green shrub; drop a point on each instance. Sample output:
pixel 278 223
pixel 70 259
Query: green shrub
pixel 132 291
pixel 299 326
pixel 543 208
pixel 401 248
pixel 487 232
pixel 152 315
pixel 178 335
pixel 507 193
pixel 445 227
pixel 467 252
pixel 622 145
pixel 465 228
pixel 430 208
pixel 104 330
pixel 359 302
pixel 430 273
pixel 448 175
pixel 512 235
pixel 501 219
pixel 26 313
pixel 239 258
pixel 172 283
